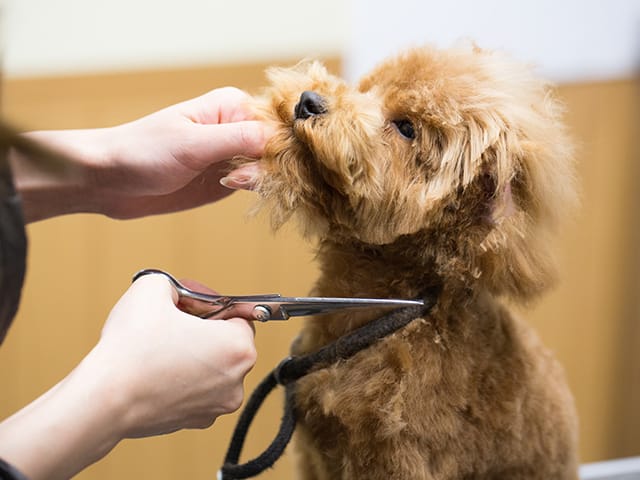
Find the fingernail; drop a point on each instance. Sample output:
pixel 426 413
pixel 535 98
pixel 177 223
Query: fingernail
pixel 236 183
pixel 228 182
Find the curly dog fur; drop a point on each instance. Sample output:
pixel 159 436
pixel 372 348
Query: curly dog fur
pixel 447 169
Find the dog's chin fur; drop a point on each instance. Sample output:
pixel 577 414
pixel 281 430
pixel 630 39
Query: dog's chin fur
pixel 467 206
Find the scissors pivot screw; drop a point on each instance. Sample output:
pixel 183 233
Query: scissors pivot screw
pixel 262 313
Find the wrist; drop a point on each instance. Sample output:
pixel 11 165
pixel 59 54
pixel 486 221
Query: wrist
pixel 51 188
pixel 105 383
pixel 65 430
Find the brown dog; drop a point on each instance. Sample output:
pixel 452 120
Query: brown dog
pixel 443 169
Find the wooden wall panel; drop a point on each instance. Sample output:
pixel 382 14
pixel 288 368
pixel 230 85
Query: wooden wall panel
pixel 592 319
pixel 79 266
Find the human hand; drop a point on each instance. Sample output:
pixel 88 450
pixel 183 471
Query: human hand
pixel 174 370
pixel 174 159
pixel 154 370
pixel 170 160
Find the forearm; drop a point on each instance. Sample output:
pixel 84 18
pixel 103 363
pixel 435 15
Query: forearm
pixel 68 428
pixel 168 161
pixel 155 370
pixel 50 188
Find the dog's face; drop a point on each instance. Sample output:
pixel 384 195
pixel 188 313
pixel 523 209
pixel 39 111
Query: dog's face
pixel 461 150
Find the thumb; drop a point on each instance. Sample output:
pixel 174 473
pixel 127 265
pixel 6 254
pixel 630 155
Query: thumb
pixel 154 287
pixel 147 296
pixel 227 140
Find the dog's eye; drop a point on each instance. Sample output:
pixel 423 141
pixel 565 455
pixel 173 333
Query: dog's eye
pixel 405 127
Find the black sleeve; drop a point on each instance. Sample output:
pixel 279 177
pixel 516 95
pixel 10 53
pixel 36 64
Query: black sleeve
pixel 7 472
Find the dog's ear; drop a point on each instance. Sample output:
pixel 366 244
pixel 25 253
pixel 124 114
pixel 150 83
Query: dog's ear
pixel 497 174
pixel 529 190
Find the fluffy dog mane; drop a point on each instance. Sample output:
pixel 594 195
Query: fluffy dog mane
pixel 483 183
pixel 447 171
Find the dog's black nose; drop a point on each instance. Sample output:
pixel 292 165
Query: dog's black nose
pixel 310 104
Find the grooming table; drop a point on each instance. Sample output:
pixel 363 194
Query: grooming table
pixel 622 469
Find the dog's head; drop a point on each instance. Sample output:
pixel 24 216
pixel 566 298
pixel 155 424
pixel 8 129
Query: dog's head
pixel 459 154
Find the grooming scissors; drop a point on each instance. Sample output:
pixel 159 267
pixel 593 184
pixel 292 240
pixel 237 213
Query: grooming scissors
pixel 267 307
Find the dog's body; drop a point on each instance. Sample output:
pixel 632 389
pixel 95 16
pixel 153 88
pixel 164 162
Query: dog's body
pixel 443 170
pixel 466 393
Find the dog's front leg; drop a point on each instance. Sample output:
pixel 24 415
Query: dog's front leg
pixel 309 464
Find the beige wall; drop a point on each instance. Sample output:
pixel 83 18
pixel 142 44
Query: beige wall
pixel 79 265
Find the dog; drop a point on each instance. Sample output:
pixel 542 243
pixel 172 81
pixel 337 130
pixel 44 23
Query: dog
pixel 442 169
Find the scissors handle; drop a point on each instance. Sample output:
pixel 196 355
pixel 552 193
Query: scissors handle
pixel 207 305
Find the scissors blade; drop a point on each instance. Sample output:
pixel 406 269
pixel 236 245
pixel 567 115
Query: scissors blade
pixel 284 308
pixel 303 306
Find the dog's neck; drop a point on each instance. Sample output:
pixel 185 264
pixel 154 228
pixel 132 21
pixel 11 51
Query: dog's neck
pixel 354 269
pixel 351 268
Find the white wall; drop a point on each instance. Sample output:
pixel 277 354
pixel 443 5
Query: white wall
pixel 570 40
pixel 70 36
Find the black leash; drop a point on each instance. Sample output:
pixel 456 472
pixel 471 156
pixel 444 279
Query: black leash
pixel 293 368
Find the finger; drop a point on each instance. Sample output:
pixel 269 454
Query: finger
pixel 197 286
pixel 191 305
pixel 222 105
pixel 227 140
pixel 155 286
pixel 203 189
pixel 244 177
pixel 243 323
